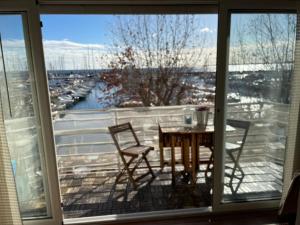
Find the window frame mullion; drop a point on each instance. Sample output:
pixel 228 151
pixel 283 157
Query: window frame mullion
pixel 45 116
pixel 29 10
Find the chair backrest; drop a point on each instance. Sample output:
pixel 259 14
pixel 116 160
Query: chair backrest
pixel 240 124
pixel 125 127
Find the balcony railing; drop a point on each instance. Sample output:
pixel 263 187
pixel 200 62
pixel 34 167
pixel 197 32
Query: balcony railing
pixel 85 133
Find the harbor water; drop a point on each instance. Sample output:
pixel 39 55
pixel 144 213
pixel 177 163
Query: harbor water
pixel 98 98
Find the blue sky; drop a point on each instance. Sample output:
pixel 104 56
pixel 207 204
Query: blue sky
pixel 78 28
pixel 91 29
pixel 11 27
pixel 85 39
pixel 80 41
pixel 82 38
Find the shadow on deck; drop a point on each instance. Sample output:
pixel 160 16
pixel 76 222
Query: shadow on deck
pixel 92 193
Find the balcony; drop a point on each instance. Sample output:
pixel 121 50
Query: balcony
pixel 88 162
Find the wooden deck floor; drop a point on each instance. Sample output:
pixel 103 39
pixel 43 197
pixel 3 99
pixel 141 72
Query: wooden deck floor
pixel 95 193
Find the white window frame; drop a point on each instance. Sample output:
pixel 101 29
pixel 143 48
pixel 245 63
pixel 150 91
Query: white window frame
pixel 33 10
pixel 33 41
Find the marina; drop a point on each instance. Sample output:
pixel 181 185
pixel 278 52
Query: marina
pixel 68 89
pixel 75 90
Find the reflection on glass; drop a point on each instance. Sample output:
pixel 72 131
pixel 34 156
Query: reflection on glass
pixel 20 120
pixel 259 80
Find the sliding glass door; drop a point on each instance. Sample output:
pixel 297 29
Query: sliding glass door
pixel 259 79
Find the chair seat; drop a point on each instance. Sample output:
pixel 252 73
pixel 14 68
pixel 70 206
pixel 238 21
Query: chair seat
pixel 136 150
pixel 230 146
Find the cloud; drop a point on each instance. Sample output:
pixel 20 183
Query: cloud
pixel 59 54
pixel 66 44
pixel 12 43
pixel 15 55
pixel 206 30
pixel 66 54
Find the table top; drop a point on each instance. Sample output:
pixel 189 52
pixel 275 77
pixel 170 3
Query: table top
pixel 186 129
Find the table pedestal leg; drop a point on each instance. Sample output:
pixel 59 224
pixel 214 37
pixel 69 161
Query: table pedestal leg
pixel 193 159
pixel 173 159
pixel 161 154
pixel 197 149
pixel 186 153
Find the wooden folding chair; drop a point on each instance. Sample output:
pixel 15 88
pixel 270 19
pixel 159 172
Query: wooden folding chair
pixel 135 151
pixel 234 151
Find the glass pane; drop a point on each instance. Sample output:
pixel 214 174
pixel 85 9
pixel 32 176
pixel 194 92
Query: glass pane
pixel 105 70
pixel 261 61
pixel 21 123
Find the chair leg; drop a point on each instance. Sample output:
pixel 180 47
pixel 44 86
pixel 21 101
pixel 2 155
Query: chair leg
pixel 231 181
pixel 240 179
pixel 131 178
pixel 119 176
pixel 148 165
pixel 130 172
pixel 240 169
pixel 235 167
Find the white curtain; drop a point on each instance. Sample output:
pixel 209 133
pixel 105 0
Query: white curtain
pixel 9 208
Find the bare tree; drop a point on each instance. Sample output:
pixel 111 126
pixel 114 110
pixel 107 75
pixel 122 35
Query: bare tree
pixel 275 45
pixel 156 54
pixel 268 39
pixel 239 53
